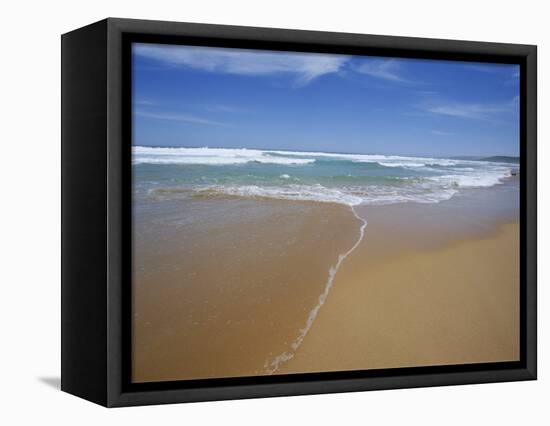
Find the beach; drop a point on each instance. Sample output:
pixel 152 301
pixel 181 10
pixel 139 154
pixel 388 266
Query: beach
pixel 220 302
pixel 443 303
pixel 244 280
pixel 299 212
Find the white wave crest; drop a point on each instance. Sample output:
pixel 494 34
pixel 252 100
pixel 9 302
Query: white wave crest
pixel 473 180
pixel 210 156
pixel 397 164
pixel 317 193
pixel 349 196
pixel 384 160
pixel 423 180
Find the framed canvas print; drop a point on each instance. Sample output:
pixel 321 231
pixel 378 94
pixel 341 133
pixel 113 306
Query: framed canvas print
pixel 253 212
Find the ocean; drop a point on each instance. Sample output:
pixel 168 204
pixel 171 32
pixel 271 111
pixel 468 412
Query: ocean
pixel 350 179
pixel 236 251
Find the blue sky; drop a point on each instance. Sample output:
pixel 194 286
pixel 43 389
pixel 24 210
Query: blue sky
pixel 216 97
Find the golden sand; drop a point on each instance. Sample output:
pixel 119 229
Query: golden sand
pixel 225 303
pixel 453 305
pixel 229 302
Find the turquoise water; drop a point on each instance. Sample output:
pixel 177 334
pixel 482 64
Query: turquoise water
pixel 351 179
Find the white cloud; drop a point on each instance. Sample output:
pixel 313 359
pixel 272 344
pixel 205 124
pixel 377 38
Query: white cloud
pixel 441 133
pixel 474 111
pixel 305 67
pixel 224 108
pixel 185 118
pixel 493 68
pixel 486 68
pixel 386 69
pixel 143 102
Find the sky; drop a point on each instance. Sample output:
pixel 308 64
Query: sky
pixel 236 98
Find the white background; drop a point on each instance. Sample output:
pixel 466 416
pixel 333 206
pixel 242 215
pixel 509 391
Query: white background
pixel 30 211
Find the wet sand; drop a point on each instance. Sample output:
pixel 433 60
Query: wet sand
pixel 427 285
pixel 220 301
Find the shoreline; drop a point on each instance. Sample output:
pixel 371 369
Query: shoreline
pixel 280 308
pixel 401 238
pixel 448 320
pixel 244 307
pixel 273 365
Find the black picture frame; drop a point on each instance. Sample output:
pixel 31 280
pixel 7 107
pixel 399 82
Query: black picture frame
pixel 96 212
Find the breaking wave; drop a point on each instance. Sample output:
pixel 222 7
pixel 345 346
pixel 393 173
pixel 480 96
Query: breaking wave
pixel 210 156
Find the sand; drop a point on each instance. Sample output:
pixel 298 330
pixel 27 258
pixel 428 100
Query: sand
pixel 223 301
pixel 427 285
pixel 451 305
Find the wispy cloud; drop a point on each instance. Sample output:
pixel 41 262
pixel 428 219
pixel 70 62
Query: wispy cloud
pixel 507 74
pixel 144 102
pixel 426 93
pixel 441 133
pixel 486 68
pixel 475 111
pixel 386 69
pixel 185 118
pixel 224 108
pixel 304 67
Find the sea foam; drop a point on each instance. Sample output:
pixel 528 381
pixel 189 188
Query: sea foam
pixel 349 179
pixel 272 365
pixel 210 156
